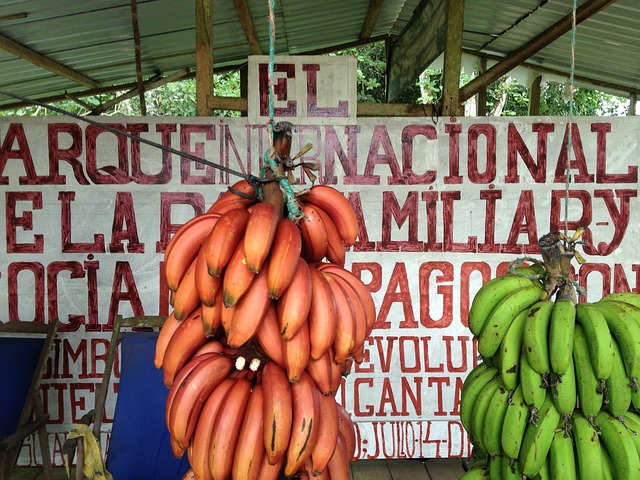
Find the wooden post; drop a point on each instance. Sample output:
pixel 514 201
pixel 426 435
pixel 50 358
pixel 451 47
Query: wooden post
pixel 534 96
pixel 481 105
pixel 244 85
pixel 138 54
pixel 204 56
pixel 452 57
pixel 632 104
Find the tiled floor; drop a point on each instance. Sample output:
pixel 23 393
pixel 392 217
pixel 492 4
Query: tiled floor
pixel 433 469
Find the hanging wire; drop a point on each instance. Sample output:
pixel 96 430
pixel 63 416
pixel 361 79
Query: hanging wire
pixel 570 127
pixel 252 179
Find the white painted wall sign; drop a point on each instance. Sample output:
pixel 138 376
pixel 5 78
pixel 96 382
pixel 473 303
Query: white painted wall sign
pixel 318 90
pixel 442 207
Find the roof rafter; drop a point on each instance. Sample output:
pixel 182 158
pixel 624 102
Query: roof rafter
pixel 375 6
pixel 242 10
pixel 515 58
pixel 41 61
pixel 138 55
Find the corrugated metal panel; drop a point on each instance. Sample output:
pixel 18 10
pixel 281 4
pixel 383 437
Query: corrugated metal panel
pixel 607 44
pixel 95 37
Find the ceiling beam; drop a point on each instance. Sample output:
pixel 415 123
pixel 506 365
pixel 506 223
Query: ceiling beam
pixel 41 61
pixel 375 7
pixel 590 82
pixel 150 84
pixel 138 56
pixel 365 109
pixel 185 74
pixel 515 58
pixel 242 10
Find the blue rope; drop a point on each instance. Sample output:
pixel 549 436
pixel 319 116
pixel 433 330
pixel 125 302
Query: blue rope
pixel 571 81
pixel 272 49
pixel 269 163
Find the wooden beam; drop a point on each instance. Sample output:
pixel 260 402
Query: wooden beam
pixel 190 74
pixel 578 78
pixel 239 104
pixel 204 56
pixel 136 42
pixel 150 84
pixel 364 109
pixel 244 84
pixel 515 58
pixel 481 101
pixel 534 96
pixel 375 7
pixel 394 110
pixel 46 63
pixel 80 102
pixel 454 19
pixel 246 21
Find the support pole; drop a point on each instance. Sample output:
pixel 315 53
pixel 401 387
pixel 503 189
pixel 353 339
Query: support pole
pixel 204 56
pixel 138 54
pixel 534 96
pixel 454 17
pixel 481 105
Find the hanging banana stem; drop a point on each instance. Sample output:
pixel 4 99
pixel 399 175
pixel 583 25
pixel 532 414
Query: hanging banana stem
pixel 557 252
pixel 280 152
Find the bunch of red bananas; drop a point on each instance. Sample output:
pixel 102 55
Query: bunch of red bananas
pixel 266 321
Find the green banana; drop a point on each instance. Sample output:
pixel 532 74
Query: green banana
pixel 545 471
pixel 537 439
pixel 535 342
pixel 480 409
pixel 471 391
pixel 515 423
pixel 478 471
pixel 623 319
pixel 635 394
pixel 493 421
pixel 618 388
pixel 495 468
pixel 607 468
pixel 534 387
pixel 502 315
pixel 633 416
pixel 619 445
pixel 587 447
pixel 632 421
pixel 564 391
pixel 510 469
pixel 597 331
pixel 474 373
pixel 590 391
pixel 631 298
pixel 562 462
pixel 510 351
pixel 563 319
pixel 489 295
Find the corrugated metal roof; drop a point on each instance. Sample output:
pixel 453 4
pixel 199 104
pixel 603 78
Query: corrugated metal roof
pixel 607 44
pixel 95 38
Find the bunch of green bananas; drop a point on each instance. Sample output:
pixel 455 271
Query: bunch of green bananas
pixel 556 393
